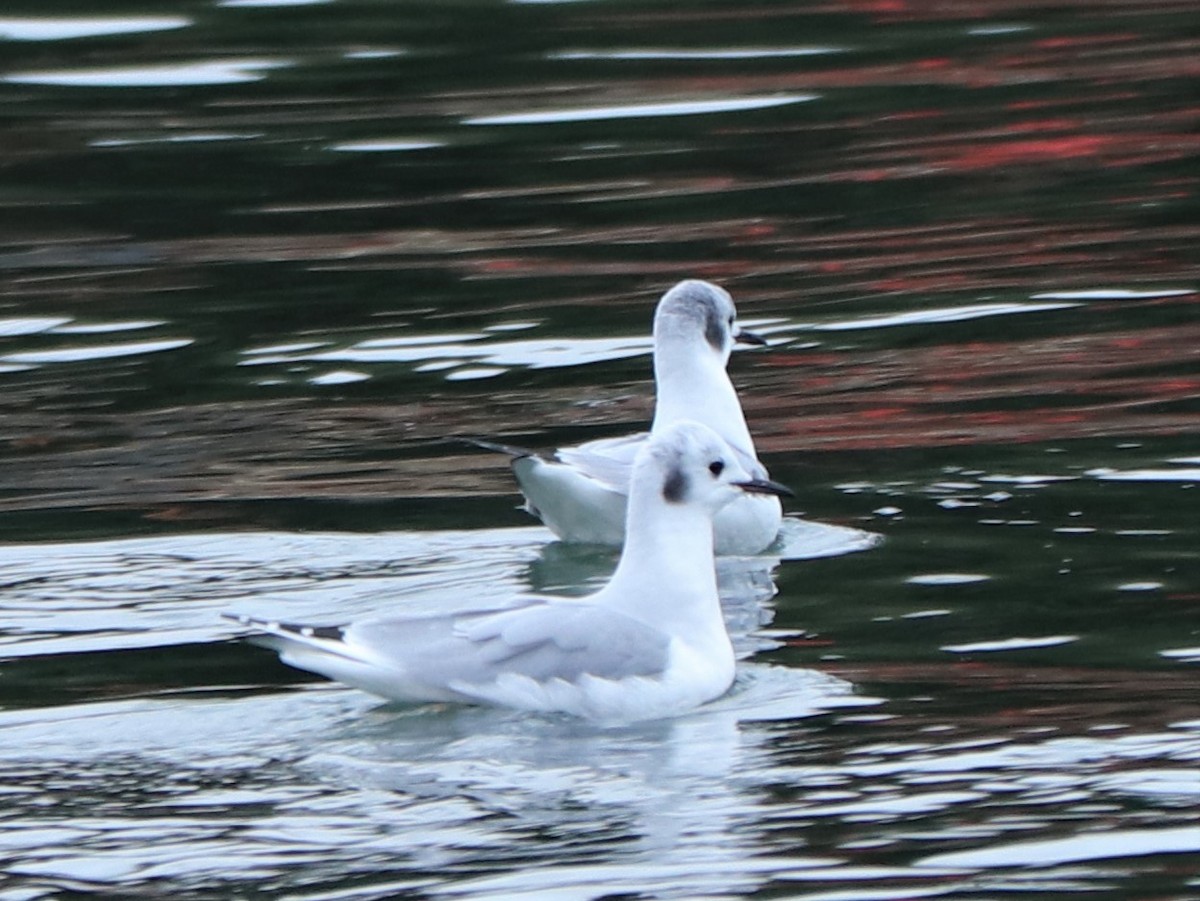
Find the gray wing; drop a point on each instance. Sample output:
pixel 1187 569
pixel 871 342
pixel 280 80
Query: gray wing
pixel 540 640
pixel 473 656
pixel 608 460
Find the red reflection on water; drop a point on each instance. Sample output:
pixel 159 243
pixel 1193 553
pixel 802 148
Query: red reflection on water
pixel 1008 153
pixel 1072 386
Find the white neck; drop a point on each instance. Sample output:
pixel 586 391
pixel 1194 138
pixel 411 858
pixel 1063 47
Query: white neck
pixel 668 557
pixel 692 383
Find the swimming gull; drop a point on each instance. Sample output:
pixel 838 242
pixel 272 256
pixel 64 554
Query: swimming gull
pixel 579 492
pixel 651 643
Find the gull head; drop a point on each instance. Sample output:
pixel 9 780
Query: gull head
pixel 688 464
pixel 701 315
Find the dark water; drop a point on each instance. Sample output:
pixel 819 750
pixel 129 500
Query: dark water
pixel 259 262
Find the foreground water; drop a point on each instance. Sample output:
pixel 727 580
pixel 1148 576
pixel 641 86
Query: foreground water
pixel 264 263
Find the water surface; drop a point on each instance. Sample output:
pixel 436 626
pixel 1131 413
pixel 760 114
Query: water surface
pixel 262 264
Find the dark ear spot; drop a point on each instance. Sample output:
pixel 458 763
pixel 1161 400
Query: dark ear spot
pixel 675 487
pixel 714 329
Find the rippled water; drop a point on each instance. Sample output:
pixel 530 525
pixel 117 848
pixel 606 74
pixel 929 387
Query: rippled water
pixel 263 263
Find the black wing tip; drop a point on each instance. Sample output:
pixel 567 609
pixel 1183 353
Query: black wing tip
pixel 512 450
pixel 275 627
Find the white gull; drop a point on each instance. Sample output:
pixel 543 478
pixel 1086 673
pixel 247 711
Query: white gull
pixel 580 492
pixel 651 643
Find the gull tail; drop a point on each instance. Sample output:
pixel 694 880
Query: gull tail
pixel 318 649
pixel 331 651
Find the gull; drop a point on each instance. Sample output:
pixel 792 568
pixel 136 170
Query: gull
pixel 579 492
pixel 651 643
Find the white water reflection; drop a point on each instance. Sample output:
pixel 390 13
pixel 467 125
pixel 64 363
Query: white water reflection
pixel 1114 294
pixel 12 327
pixel 386 145
pixel 1183 655
pixel 95 352
pixel 641 110
pixel 104 328
pixel 1149 474
pixel 270 3
pixel 339 377
pixel 148 592
pixel 735 53
pixel 1010 644
pixel 307 791
pixel 328 780
pixel 474 372
pixel 993 30
pixel 1026 480
pixel 276 349
pixel 947 579
pixel 61 29
pixel 1102 844
pixel 479 355
pixel 211 72
pixel 380 53
pixel 466 355
pixel 945 314
pixel 202 137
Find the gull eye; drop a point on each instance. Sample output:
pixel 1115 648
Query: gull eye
pixel 716 467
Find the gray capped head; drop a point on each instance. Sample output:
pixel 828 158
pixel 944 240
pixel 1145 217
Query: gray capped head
pixel 700 312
